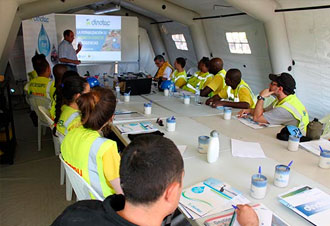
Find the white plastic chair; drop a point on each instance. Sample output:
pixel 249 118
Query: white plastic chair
pixel 326 131
pixel 79 185
pixel 191 71
pixel 34 102
pixel 56 139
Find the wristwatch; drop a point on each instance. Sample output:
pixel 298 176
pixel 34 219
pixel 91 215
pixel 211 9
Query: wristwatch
pixel 261 98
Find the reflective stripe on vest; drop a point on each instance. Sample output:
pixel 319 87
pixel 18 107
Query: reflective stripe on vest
pixel 180 76
pixel 48 89
pixel 92 165
pixel 72 117
pixel 296 114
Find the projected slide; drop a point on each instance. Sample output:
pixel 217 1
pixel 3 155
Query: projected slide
pixel 100 37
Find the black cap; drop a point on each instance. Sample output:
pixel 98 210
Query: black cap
pixel 285 80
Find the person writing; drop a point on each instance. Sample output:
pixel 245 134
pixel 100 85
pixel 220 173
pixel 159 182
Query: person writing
pixel 67 112
pixel 95 158
pixel 165 70
pixel 151 172
pixel 236 90
pixel 66 53
pixel 287 109
pixel 201 78
pixel 218 81
pixel 179 76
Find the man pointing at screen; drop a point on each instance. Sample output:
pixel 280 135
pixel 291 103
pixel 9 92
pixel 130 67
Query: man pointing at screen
pixel 67 54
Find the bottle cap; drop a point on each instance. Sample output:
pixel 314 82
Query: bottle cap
pixel 214 133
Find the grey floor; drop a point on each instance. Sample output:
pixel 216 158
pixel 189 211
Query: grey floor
pixel 30 191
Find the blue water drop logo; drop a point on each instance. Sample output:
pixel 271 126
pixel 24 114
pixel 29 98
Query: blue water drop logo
pixel 43 41
pixel 198 189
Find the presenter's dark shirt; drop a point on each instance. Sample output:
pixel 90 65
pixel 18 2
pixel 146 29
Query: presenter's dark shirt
pixel 94 212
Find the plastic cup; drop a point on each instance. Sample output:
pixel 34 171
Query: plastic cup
pixel 203 144
pixel 227 113
pixel 293 143
pixel 170 124
pixel 282 175
pixel 186 99
pixel 258 186
pixel 324 161
pixel 166 92
pixel 147 108
pixel 126 97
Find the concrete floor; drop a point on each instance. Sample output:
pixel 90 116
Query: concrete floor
pixel 30 190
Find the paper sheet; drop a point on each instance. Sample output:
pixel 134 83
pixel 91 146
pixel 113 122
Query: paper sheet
pixel 253 124
pixel 313 146
pixel 246 149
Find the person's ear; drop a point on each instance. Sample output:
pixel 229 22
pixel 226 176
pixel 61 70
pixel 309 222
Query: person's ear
pixel 76 96
pixel 172 192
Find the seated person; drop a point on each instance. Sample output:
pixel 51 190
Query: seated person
pixel 95 158
pixel 201 78
pixel 179 76
pixel 151 172
pixel 286 109
pixel 67 112
pixel 164 71
pixel 41 85
pixel 236 90
pixel 58 71
pixel 218 81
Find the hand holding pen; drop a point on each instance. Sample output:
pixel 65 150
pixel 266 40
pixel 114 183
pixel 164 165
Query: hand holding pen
pixel 246 216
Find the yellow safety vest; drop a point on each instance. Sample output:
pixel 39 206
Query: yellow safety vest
pixel 221 75
pixel 198 79
pixel 177 76
pixel 293 105
pixel 161 70
pixel 69 119
pixel 41 86
pixel 233 94
pixel 83 149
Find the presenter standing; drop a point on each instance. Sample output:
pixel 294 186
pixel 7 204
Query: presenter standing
pixel 67 54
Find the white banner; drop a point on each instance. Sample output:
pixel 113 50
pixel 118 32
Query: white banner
pixel 39 35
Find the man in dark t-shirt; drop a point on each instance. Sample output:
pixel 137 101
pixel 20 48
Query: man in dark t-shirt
pixel 151 173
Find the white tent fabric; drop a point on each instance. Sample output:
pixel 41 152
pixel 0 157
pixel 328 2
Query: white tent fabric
pixel 309 37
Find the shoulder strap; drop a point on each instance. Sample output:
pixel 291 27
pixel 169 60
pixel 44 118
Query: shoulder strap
pixel 48 88
pixel 72 117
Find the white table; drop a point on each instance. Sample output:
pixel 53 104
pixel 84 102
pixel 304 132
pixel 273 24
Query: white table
pixel 304 162
pixel 176 105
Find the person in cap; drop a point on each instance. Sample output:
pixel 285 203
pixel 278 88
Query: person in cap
pixel 287 109
pixel 151 172
pixel 237 91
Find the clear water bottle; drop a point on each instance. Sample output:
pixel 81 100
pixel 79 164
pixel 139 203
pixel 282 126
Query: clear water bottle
pixel 197 95
pixel 117 91
pixel 170 89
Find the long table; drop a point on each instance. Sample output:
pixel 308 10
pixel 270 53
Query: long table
pixel 193 121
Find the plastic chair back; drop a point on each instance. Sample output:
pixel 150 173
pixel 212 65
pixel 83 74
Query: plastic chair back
pixel 82 189
pixel 191 71
pixel 35 102
pixel 46 115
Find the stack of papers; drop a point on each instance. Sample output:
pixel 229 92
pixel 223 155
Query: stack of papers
pixel 209 197
pixel 253 124
pixel 246 149
pixel 266 218
pixel 122 116
pixel 136 127
pixel 313 146
pixel 310 203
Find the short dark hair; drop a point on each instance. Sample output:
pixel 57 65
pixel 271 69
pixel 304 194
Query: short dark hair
pixel 96 107
pixel 181 61
pixel 149 164
pixel 67 33
pixel 159 58
pixel 39 63
pixel 205 61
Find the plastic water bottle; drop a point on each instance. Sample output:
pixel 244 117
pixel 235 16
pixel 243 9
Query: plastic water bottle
pixel 197 95
pixel 171 90
pixel 214 146
pixel 117 91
